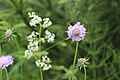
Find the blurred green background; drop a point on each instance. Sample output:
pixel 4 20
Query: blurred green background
pixel 102 41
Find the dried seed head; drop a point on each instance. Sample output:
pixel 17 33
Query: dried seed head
pixel 8 33
pixel 81 61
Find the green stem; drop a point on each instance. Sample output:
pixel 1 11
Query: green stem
pixel 41 76
pixel 20 58
pixel 0 69
pixel 40 32
pixel 35 57
pixel 7 77
pixel 75 57
pixel 84 73
pixel 56 44
pixel 40 44
pixel 94 71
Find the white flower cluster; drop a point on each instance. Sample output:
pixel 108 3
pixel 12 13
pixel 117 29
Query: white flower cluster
pixel 44 63
pixel 46 22
pixel 48 36
pixel 37 20
pixel 33 44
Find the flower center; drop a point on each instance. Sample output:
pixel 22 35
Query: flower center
pixel 76 32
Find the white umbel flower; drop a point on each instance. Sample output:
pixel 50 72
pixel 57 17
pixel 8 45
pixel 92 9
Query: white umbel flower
pixel 28 53
pixel 35 19
pixel 44 63
pixel 39 63
pixel 42 40
pixel 46 22
pixel 46 67
pixel 49 36
pixel 33 45
pixel 46 59
pixel 32 36
pixel 31 14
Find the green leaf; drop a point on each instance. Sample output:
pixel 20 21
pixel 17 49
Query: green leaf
pixel 4 25
pixel 19 25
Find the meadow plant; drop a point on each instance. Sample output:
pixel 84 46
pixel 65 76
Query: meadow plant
pixel 82 62
pixel 6 61
pixel 10 36
pixel 30 40
pixel 36 40
pixel 77 33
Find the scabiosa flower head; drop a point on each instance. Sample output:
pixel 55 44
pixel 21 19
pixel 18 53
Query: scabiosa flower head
pixel 8 33
pixel 5 61
pixel 82 62
pixel 76 32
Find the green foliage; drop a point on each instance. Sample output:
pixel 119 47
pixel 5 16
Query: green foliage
pixel 101 44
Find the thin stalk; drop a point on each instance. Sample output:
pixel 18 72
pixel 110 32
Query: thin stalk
pixel 35 57
pixel 75 57
pixel 40 45
pixel 0 69
pixel 7 77
pixel 40 32
pixel 20 58
pixel 84 73
pixel 41 74
pixel 56 44
pixel 69 78
pixel 94 71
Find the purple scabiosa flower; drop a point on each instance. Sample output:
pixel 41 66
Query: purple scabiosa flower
pixel 76 32
pixel 5 61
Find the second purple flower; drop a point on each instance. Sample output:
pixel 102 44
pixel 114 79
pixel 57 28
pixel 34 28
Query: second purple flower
pixel 5 61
